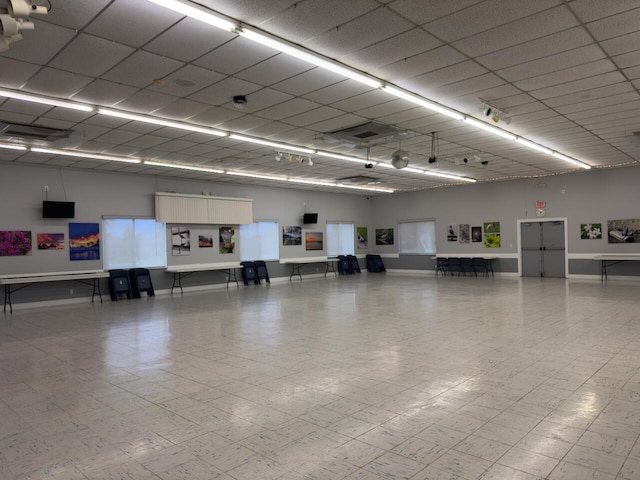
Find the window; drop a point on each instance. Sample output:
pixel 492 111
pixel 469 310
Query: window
pixel 259 241
pixel 417 237
pixel 134 243
pixel 340 239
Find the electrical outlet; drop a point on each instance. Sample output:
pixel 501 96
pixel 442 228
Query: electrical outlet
pixel 71 291
pixel 46 188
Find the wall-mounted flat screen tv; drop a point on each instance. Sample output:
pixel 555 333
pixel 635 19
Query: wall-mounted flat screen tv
pixel 310 218
pixel 58 209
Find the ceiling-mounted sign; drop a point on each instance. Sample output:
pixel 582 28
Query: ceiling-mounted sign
pixel 541 204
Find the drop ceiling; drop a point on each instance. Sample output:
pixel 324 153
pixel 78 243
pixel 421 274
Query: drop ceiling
pixel 566 72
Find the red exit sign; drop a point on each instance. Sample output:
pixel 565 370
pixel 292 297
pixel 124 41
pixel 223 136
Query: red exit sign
pixel 541 204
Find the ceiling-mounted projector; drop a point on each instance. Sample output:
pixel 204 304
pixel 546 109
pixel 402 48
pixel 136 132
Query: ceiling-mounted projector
pixel 400 159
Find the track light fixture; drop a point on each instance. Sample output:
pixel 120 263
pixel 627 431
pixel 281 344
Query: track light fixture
pixel 16 20
pixel 495 114
pixel 294 157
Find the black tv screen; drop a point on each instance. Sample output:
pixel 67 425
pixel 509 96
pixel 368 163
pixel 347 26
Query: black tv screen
pixel 310 218
pixel 58 209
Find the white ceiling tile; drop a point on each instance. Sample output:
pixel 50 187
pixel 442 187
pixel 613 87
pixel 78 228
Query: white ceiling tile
pixel 215 117
pixel 424 12
pixel 101 92
pixel 464 87
pixel 90 55
pixel 427 83
pixel 337 123
pixel 579 85
pixel 609 105
pixel 567 75
pixel 313 116
pixel 243 123
pixel 15 73
pixel 515 33
pixel 484 16
pixel 337 92
pixel 117 137
pixel 419 64
pixel 535 49
pixel 174 83
pixel 130 22
pixel 33 49
pixel 622 44
pixel 76 13
pixel 394 49
pixel 145 101
pixel 57 83
pixel 311 18
pixel 146 141
pixel 590 10
pixel 141 69
pixel 308 81
pixel 235 55
pixel 287 109
pixel 630 59
pixel 366 30
pixel 362 101
pixel 274 70
pixel 249 11
pixel 188 40
pixel 632 73
pixel 552 63
pixel 181 109
pixel 616 25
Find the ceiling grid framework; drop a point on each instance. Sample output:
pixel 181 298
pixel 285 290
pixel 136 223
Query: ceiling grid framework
pixel 574 96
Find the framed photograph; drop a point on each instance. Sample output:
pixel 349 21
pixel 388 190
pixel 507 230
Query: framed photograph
pixel 463 233
pixel 50 241
pixel 180 241
pixel 452 232
pixel 623 231
pixel 227 240
pixel 590 231
pixel 476 234
pixel 291 236
pixel 84 241
pixel 313 241
pixel 15 243
pixel 384 236
pixel 362 240
pixel 205 240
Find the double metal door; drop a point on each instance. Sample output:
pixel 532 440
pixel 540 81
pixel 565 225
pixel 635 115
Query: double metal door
pixel 543 249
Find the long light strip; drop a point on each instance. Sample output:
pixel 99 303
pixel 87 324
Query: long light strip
pixel 344 157
pixel 95 156
pixel 161 122
pixel 423 102
pixel 430 173
pixel 368 189
pixel 281 146
pixel 490 128
pixel 182 166
pixel 534 146
pixel 306 56
pixel 198 13
pixel 571 160
pixel 256 175
pixel 12 147
pixel 46 101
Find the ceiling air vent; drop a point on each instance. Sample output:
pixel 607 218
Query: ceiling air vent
pixel 365 135
pixel 31 134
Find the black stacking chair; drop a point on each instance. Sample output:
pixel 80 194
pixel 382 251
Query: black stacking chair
pixel 141 282
pixel 442 266
pixel 455 266
pixel 466 265
pixel 261 271
pixel 249 273
pixel 353 262
pixel 119 284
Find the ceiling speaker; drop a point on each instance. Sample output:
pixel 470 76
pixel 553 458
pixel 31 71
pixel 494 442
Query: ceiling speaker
pixel 400 159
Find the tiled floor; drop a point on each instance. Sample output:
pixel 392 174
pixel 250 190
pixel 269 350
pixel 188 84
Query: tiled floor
pixel 357 378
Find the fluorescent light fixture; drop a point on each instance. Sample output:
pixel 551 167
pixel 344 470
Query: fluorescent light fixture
pixel 412 170
pixel 312 182
pixel 12 147
pixel 161 122
pixel 344 157
pixel 307 56
pixel 449 176
pixel 197 13
pixel 256 175
pixel 46 101
pixel 95 156
pixel 182 166
pixel 490 128
pixel 280 146
pixel 534 146
pixel 423 102
pixel 368 189
pixel 571 160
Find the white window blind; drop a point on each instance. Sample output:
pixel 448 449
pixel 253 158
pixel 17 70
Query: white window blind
pixel 259 241
pixel 133 243
pixel 417 237
pixel 340 239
